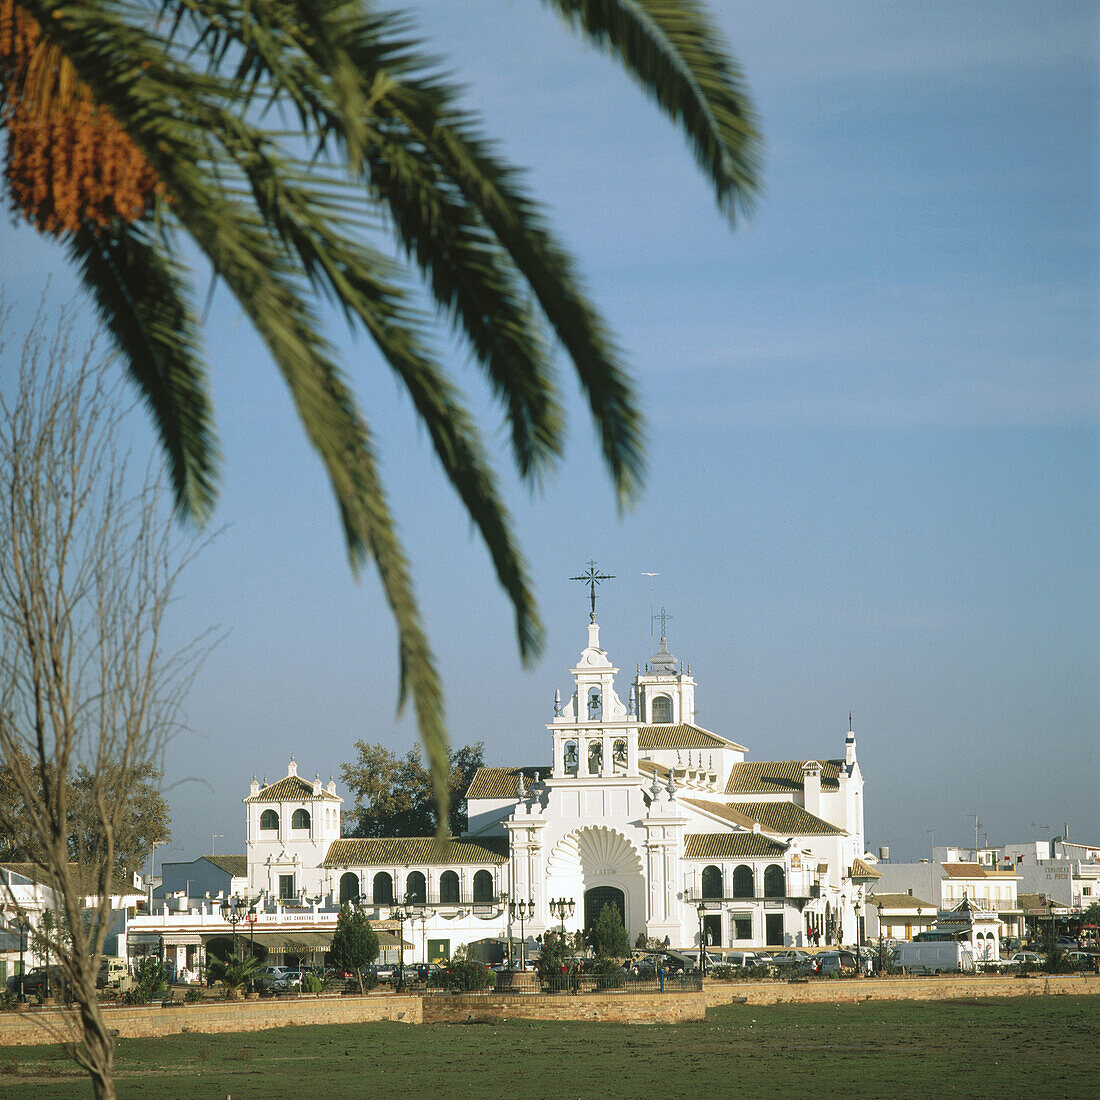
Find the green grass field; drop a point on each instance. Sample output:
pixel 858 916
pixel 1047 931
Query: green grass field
pixel 1044 1046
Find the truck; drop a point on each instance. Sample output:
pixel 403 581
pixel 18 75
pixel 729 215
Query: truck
pixel 936 957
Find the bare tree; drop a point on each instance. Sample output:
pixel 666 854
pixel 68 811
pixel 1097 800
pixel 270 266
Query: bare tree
pixel 88 561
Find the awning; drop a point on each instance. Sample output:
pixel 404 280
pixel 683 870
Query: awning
pixel 292 941
pixel 388 939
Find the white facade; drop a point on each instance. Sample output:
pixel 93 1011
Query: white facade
pixel 638 807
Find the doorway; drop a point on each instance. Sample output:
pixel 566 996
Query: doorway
pixel 594 901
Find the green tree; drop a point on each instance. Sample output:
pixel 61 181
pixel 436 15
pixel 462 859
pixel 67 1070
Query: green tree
pixel 354 943
pixel 609 938
pixel 394 795
pixel 1092 914
pixel 234 971
pixel 136 134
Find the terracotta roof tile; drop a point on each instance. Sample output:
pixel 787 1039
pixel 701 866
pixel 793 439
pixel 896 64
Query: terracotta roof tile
pixel 777 817
pixel 682 736
pixel 501 782
pixel 731 846
pixel 291 788
pixel 405 850
pixel 778 776
pixel 898 901
pixel 861 870
pixel 237 866
pixel 974 870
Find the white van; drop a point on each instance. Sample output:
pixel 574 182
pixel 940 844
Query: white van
pixel 113 973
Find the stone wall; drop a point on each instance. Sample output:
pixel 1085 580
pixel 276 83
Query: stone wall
pixel 942 987
pixel 48 1025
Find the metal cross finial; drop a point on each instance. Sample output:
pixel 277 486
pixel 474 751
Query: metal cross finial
pixel 592 578
pixel 664 616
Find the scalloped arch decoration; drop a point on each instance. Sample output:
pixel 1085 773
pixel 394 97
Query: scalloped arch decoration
pixel 594 851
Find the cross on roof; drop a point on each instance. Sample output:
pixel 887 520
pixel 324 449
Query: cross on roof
pixel 664 616
pixel 592 578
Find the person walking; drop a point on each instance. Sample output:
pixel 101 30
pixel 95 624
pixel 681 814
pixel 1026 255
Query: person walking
pixel 662 970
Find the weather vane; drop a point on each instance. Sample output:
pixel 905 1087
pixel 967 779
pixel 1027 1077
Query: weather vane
pixel 592 578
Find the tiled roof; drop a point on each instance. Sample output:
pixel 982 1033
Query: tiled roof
pixel 237 866
pixel 83 878
pixel 654 767
pixel 404 850
pixel 861 870
pixel 501 782
pixel 778 776
pixel 682 736
pixel 898 901
pixel 776 817
pixel 730 846
pixel 974 870
pixel 291 788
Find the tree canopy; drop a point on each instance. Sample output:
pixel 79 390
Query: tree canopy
pixel 609 937
pixel 283 141
pixel 394 795
pixel 354 943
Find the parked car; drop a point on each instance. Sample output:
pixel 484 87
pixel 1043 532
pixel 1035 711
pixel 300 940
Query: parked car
pixel 740 958
pixel 269 976
pixel 113 973
pixel 835 962
pixel 1026 958
pixel 384 972
pixel 1082 960
pixel 290 979
pixel 789 959
pixel 44 980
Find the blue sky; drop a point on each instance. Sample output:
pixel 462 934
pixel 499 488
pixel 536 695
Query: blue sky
pixel 872 410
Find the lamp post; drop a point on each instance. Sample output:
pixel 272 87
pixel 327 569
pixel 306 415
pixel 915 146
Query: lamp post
pixel 251 918
pixel 22 950
pixel 561 908
pixel 701 910
pixel 523 910
pixel 399 915
pixel 881 954
pixel 232 911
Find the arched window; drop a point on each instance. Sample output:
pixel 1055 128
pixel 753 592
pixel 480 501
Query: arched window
pixel 775 882
pixel 299 819
pixel 448 887
pixel 571 756
pixel 383 888
pixel 618 752
pixel 712 882
pixel 483 886
pixel 595 757
pixel 269 819
pixel 416 889
pixel 661 712
pixel 349 887
pixel 742 882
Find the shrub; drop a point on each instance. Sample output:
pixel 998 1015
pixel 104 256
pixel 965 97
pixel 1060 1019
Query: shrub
pixel 311 983
pixel 469 976
pixel 725 973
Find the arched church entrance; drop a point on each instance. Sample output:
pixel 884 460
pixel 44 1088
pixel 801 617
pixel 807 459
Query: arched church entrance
pixel 596 898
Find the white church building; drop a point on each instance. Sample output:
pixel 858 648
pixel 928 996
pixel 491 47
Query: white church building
pixel 639 807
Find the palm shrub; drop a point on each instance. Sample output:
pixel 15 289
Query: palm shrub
pixel 234 971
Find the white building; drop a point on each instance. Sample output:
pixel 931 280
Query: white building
pixel 638 807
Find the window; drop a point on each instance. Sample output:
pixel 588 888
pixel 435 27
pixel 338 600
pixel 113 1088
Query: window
pixel 742 882
pixel 269 819
pixel 483 886
pixel 383 888
pixel 300 819
pixel 712 882
pixel 595 704
pixel 775 882
pixel 618 753
pixel 416 889
pixel 286 887
pixel 448 887
pixel 349 887
pixel 742 926
pixel 661 711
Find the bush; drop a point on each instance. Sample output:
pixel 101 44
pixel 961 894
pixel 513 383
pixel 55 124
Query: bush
pixel 468 976
pixel 135 996
pixel 311 983
pixel 725 973
pixel 150 977
pixel 193 995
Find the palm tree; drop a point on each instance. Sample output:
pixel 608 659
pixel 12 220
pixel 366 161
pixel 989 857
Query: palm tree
pixel 135 125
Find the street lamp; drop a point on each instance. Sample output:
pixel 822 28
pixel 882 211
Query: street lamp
pixel 399 915
pixel 701 908
pixel 22 949
pixel 881 953
pixel 562 908
pixel 523 910
pixel 251 918
pixel 233 911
